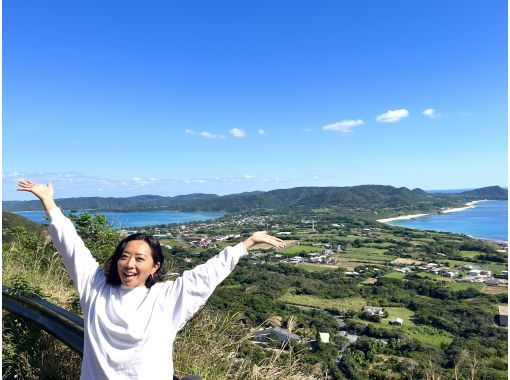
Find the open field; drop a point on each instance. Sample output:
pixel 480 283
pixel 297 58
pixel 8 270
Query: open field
pixel 495 289
pixel 430 335
pixel 379 245
pixel 297 249
pixel 395 274
pixel 402 260
pixel 339 305
pixel 469 254
pixel 317 267
pixel 400 312
pixel 424 334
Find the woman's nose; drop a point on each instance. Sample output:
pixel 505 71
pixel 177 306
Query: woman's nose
pixel 130 263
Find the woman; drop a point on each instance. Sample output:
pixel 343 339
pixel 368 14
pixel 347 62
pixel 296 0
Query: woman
pixel 131 320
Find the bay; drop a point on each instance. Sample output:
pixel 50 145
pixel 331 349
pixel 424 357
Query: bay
pixel 486 220
pixel 136 219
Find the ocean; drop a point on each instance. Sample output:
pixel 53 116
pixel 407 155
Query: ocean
pixel 487 220
pixel 137 219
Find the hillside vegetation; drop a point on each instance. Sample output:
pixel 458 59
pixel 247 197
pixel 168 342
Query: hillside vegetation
pixel 355 198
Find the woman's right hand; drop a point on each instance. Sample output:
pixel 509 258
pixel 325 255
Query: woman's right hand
pixel 43 192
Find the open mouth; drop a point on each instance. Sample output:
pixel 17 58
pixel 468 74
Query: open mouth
pixel 129 276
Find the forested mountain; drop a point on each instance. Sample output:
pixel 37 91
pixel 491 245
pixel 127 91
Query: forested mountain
pixel 369 197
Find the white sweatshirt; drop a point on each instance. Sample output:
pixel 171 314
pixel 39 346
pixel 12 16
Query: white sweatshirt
pixel 129 332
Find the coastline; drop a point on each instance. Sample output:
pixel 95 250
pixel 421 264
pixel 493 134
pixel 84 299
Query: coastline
pixel 443 211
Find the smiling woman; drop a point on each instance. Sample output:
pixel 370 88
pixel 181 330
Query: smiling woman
pixel 137 261
pixel 131 319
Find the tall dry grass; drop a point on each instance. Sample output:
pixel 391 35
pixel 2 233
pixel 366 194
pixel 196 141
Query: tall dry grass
pixel 210 346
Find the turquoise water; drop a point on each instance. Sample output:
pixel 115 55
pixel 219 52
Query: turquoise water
pixel 487 220
pixel 137 219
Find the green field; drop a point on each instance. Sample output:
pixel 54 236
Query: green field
pixel 317 267
pixel 339 305
pixel 424 334
pixel 400 312
pixel 296 249
pixel 395 274
pixel 469 254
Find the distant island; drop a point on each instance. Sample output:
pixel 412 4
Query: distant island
pixel 376 199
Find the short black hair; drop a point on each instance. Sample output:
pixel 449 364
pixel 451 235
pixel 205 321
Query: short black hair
pixel 110 267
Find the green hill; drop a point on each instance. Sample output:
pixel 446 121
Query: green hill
pixel 10 220
pixel 367 197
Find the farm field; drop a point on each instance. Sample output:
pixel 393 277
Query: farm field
pixel 317 267
pixel 339 305
pixel 297 249
pixel 424 334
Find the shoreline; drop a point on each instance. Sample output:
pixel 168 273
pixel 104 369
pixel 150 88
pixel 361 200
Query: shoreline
pixel 468 205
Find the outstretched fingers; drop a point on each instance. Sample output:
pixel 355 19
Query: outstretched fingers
pixel 274 241
pixel 24 185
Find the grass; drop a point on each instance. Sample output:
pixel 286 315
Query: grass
pixel 367 250
pixel 339 305
pixel 367 259
pixel 296 249
pixel 424 334
pixel 469 254
pixel 395 274
pixel 400 312
pixel 494 267
pixel 465 285
pixel 430 335
pixel 317 267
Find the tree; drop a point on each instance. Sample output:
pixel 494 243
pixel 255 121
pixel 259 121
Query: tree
pixel 97 234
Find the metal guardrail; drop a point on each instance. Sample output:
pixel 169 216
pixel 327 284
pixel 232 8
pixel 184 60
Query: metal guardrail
pixel 62 324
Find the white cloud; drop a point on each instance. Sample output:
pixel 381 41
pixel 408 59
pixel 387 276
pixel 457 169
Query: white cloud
pixel 343 126
pixel 248 177
pixel 431 112
pixel 262 132
pixel 392 116
pixel 238 132
pixel 205 134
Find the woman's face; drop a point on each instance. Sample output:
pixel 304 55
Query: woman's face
pixel 135 264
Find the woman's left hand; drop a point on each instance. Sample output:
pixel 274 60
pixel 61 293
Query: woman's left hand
pixel 263 237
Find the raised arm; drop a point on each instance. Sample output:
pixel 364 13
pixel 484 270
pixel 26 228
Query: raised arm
pixel 78 260
pixel 190 291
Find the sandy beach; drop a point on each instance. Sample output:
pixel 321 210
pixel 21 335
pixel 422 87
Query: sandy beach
pixel 402 217
pixel 443 211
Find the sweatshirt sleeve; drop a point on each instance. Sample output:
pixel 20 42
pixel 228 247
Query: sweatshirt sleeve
pixel 78 260
pixel 190 291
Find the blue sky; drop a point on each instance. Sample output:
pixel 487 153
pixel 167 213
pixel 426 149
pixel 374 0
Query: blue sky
pixel 120 98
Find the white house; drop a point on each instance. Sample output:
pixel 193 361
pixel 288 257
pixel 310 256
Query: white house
pixel 373 310
pixel 324 337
